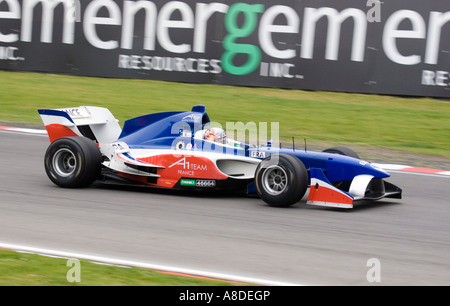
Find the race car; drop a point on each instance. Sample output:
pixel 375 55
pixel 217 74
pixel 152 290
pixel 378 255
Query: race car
pixel 181 150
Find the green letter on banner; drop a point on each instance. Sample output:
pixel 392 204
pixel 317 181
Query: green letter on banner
pixel 231 48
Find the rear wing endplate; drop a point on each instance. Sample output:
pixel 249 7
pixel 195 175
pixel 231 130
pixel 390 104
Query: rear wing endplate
pixel 97 123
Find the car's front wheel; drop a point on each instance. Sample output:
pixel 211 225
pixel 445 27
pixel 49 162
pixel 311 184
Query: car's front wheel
pixel 73 162
pixel 281 180
pixel 342 151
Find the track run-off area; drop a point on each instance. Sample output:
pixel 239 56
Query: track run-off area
pixel 225 235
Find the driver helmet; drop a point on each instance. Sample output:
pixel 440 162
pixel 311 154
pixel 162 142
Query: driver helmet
pixel 216 135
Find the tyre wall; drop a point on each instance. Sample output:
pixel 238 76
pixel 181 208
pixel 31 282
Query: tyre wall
pixel 393 47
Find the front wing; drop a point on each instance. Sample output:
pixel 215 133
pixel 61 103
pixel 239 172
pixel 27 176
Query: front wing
pixel 363 187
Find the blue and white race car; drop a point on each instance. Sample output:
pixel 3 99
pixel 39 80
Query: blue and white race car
pixel 180 150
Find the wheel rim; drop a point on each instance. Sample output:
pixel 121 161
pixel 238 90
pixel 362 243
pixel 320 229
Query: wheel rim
pixel 274 180
pixel 64 162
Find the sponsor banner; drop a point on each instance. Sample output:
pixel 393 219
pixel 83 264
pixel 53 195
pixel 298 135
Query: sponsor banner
pixel 390 47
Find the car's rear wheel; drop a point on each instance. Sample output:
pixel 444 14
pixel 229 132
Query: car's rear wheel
pixel 281 180
pixel 73 162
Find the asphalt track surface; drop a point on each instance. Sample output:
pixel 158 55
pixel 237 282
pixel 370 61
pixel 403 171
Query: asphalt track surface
pixel 229 233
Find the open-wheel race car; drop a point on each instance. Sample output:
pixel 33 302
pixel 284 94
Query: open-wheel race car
pixel 181 150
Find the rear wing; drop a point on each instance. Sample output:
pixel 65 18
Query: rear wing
pixel 96 123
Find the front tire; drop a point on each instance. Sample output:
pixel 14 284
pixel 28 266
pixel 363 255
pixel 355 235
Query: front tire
pixel 73 162
pixel 344 185
pixel 281 180
pixel 342 151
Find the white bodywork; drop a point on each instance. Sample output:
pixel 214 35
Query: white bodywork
pixel 102 122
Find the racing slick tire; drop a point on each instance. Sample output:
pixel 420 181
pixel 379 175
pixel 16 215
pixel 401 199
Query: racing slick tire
pixel 73 162
pixel 281 180
pixel 342 151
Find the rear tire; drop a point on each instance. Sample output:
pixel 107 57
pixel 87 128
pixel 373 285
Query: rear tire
pixel 73 162
pixel 281 180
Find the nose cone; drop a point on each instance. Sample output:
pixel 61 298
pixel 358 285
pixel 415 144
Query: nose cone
pixel 380 171
pixel 344 168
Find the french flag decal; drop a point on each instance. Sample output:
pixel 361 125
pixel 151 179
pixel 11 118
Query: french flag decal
pixel 322 193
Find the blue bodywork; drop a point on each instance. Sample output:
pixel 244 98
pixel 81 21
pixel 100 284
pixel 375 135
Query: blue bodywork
pixel 164 130
pixel 336 167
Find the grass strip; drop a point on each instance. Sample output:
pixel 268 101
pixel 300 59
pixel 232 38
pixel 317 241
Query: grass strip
pixel 412 125
pixel 26 269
